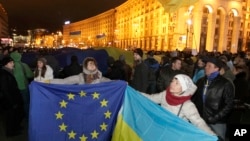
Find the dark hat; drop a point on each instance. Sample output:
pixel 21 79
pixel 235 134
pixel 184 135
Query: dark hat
pixel 217 62
pixel 150 53
pixel 139 52
pixel 6 60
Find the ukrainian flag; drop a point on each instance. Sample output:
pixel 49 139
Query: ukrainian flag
pixel 140 119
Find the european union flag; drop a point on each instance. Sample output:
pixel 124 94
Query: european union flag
pixel 74 112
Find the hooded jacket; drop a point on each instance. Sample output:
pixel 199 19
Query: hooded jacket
pixel 22 71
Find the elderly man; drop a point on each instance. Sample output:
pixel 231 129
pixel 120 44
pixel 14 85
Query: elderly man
pixel 214 97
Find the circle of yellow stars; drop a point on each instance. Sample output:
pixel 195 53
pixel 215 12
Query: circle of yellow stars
pixel 72 134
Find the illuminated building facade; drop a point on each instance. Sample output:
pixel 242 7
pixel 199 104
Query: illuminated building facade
pixel 212 25
pixel 3 23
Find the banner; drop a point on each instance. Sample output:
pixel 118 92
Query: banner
pixel 74 112
pixel 142 120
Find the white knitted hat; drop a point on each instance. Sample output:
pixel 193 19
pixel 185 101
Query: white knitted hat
pixel 186 83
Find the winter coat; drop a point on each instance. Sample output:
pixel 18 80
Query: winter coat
pixel 48 75
pixel 79 79
pixel 140 77
pixel 199 73
pixel 219 99
pixel 187 111
pixel 241 86
pixel 22 71
pixel 10 96
pixel 165 77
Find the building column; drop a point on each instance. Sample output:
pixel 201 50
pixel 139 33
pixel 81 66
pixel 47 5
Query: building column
pixel 159 44
pixel 210 31
pixel 152 43
pixel 223 33
pixel 235 36
pixel 196 28
pixel 147 45
pixel 143 43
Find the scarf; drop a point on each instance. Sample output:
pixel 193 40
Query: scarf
pixel 175 100
pixel 89 78
pixel 213 75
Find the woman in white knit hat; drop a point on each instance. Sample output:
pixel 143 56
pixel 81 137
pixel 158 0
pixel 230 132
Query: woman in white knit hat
pixel 176 99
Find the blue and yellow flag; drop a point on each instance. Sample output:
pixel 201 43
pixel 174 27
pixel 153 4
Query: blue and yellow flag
pixel 142 120
pixel 74 112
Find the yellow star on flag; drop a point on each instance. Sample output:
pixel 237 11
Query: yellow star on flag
pixel 59 115
pixel 104 103
pixel 94 134
pixel 63 104
pixel 95 95
pixel 82 94
pixel 103 126
pixel 63 127
pixel 72 135
pixel 83 138
pixel 107 114
pixel 71 96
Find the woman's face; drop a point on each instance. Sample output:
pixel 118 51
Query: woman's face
pixel 175 87
pixel 91 66
pixel 40 64
pixel 200 63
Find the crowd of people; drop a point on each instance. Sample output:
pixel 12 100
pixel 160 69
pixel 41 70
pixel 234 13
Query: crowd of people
pixel 201 89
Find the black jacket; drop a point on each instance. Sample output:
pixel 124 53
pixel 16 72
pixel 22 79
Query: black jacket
pixel 219 99
pixel 165 77
pixel 10 94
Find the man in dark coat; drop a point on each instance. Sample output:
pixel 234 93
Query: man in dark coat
pixel 214 97
pixel 139 79
pixel 11 102
pixel 167 74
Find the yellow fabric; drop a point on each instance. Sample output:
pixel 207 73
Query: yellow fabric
pixel 123 127
pixel 173 5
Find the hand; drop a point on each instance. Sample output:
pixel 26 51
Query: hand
pixel 46 81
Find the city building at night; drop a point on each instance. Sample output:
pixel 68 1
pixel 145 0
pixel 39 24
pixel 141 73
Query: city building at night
pixel 4 33
pixel 212 25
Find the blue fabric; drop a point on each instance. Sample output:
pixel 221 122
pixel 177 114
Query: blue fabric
pixel 153 123
pixel 213 75
pixel 83 115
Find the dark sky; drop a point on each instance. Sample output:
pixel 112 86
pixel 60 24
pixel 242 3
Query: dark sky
pixel 51 14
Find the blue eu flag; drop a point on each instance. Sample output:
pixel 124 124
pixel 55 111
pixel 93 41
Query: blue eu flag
pixel 74 112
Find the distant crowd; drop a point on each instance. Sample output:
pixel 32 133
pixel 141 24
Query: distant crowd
pixel 216 82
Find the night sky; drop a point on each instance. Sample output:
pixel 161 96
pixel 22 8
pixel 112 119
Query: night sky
pixel 51 14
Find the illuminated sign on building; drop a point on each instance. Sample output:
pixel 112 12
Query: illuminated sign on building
pixel 73 33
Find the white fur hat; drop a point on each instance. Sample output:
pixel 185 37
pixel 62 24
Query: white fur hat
pixel 186 83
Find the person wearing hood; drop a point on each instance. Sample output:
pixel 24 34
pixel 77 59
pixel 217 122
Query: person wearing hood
pixel 43 72
pixel 90 75
pixel 23 74
pixel 176 99
pixel 11 102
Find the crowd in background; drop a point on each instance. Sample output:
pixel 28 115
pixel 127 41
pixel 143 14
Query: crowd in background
pixel 147 75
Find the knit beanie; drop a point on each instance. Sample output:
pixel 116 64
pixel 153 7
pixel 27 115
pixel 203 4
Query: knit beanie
pixel 6 60
pixel 186 82
pixel 139 52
